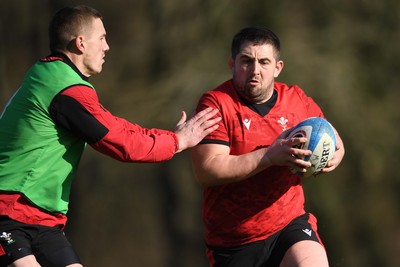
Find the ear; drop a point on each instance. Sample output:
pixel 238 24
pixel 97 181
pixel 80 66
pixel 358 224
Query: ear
pixel 278 68
pixel 79 43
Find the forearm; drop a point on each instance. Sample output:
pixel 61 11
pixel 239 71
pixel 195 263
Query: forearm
pixel 78 110
pixel 213 164
pixel 222 168
pixel 129 146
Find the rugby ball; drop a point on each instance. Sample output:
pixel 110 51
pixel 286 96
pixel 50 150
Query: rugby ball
pixel 321 140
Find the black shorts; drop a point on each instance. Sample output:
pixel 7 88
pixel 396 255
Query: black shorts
pixel 268 252
pixel 48 244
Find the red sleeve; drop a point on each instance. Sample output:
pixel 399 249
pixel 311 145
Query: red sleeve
pixel 220 135
pixel 311 107
pixel 124 141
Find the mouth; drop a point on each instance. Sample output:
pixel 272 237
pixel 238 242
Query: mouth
pixel 253 82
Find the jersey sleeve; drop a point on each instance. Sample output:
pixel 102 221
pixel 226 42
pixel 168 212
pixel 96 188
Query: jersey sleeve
pixel 220 135
pixel 310 105
pixel 79 110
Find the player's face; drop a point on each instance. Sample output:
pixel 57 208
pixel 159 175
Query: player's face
pixel 95 49
pixel 254 71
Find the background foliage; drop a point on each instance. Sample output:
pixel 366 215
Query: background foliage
pixel 164 55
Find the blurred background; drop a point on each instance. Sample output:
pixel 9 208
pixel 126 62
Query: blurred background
pixel 164 55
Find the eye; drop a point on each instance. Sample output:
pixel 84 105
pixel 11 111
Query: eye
pixel 246 61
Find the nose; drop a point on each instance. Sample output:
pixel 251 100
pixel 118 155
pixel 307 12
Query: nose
pixel 255 67
pixel 106 46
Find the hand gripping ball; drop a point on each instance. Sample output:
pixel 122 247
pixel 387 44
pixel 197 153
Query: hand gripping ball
pixel 321 140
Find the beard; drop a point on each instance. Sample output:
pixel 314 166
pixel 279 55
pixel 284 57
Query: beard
pixel 254 93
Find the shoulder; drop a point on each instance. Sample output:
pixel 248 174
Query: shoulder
pixel 279 86
pixel 223 92
pixel 221 97
pixel 290 90
pixel 295 97
pixel 82 93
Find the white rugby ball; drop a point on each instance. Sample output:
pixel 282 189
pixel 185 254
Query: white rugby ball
pixel 321 140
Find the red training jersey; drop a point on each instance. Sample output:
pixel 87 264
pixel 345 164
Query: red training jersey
pixel 256 208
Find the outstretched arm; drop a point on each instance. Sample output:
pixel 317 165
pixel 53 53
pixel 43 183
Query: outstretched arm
pixel 78 110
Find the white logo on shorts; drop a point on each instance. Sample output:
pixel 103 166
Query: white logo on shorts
pixel 307 231
pixel 7 237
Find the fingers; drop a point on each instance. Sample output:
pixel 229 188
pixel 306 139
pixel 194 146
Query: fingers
pixel 297 143
pixel 211 123
pixel 336 160
pixel 297 160
pixel 191 132
pixel 199 118
pixel 300 166
pixel 289 152
pixel 204 115
pixel 208 126
pixel 209 130
pixel 204 121
pixel 285 134
pixel 182 120
pixel 331 165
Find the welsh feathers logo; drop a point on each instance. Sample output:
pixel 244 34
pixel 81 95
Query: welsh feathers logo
pixel 283 122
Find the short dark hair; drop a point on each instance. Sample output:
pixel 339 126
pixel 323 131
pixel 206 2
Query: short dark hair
pixel 258 36
pixel 69 22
